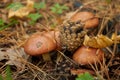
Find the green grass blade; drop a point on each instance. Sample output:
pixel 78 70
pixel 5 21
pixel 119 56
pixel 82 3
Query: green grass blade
pixel 1 78
pixel 8 73
pixel 10 24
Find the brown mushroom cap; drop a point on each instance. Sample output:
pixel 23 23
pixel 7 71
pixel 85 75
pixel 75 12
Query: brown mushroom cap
pixel 85 55
pixel 41 42
pixel 87 17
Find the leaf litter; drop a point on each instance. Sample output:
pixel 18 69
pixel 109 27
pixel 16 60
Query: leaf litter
pixel 13 38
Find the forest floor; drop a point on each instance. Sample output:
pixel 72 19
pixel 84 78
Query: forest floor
pixel 17 27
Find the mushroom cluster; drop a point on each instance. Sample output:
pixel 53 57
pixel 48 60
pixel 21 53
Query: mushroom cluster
pixel 71 36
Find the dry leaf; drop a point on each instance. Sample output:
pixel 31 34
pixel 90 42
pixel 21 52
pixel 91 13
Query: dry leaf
pixel 115 37
pixel 22 12
pixel 14 57
pixel 69 15
pixel 100 41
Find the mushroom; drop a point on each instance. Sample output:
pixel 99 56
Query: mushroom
pixel 88 18
pixel 42 43
pixel 86 55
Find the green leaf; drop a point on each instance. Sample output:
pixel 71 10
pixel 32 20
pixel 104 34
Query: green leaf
pixel 65 7
pixel 1 78
pixel 57 8
pixel 8 73
pixel 1 22
pixel 40 5
pixel 85 76
pixel 60 11
pixel 53 9
pixel 57 5
pixel 15 6
pixel 34 16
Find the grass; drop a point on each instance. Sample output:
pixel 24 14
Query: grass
pixel 8 75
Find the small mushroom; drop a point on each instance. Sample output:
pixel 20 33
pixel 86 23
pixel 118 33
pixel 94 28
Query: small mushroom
pixel 42 43
pixel 86 55
pixel 88 18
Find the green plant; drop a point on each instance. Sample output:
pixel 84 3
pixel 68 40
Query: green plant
pixel 85 76
pixel 7 73
pixel 40 5
pixel 1 78
pixel 34 17
pixel 15 6
pixel 1 22
pixel 3 25
pixel 57 8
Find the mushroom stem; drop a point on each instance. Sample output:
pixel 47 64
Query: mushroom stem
pixel 46 57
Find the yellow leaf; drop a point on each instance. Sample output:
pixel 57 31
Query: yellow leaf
pixel 99 41
pixel 115 37
pixel 22 12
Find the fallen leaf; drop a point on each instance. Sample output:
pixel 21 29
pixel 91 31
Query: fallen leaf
pixel 115 37
pixel 13 57
pixel 22 12
pixel 69 15
pixel 99 41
